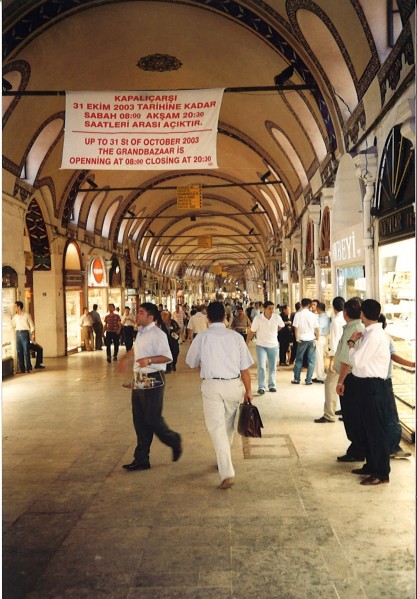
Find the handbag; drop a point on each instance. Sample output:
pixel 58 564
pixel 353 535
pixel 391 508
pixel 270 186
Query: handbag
pixel 250 422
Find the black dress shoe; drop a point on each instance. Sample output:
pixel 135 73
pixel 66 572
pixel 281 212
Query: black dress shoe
pixel 362 471
pixel 177 450
pixel 338 412
pixel 322 419
pixel 317 381
pixel 136 466
pixel 349 458
pixel 38 367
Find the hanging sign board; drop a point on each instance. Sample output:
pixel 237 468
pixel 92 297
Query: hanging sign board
pixel 205 241
pixel 217 269
pixel 189 197
pixel 141 130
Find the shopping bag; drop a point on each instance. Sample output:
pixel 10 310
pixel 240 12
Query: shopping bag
pixel 250 422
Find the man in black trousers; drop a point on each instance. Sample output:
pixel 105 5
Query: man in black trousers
pixel 152 354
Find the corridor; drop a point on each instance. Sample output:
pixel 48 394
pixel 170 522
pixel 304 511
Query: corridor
pixel 297 524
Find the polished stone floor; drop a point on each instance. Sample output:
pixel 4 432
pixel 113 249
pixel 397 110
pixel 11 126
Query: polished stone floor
pixel 297 524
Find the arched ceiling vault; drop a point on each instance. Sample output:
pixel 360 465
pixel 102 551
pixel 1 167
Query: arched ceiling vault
pixel 276 141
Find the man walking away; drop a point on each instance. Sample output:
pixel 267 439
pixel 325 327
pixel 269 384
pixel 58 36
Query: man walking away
pixel 224 362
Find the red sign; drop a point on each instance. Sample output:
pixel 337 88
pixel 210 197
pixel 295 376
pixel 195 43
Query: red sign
pixel 97 271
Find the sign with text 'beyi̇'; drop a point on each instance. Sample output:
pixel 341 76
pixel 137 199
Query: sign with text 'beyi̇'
pixel 147 130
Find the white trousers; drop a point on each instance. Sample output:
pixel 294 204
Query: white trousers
pixel 221 401
pixel 320 350
pixel 330 395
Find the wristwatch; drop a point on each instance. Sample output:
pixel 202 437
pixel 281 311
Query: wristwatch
pixel 149 361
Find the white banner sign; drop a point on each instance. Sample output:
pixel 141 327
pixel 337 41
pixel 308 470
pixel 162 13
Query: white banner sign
pixel 147 130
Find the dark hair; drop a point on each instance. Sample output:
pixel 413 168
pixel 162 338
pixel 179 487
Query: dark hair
pixel 19 304
pixel 353 308
pixel 95 306
pixel 267 303
pixel 151 310
pixel 305 302
pixel 316 301
pixel 382 320
pixel 371 309
pixel 338 303
pixel 297 306
pixel 112 305
pixel 216 312
pixel 239 309
pixel 321 306
pixel 283 307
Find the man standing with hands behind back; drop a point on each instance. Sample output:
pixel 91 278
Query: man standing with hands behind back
pixel 224 362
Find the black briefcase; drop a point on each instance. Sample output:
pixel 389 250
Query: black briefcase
pixel 250 422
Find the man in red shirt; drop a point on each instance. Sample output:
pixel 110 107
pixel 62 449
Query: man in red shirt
pixel 112 328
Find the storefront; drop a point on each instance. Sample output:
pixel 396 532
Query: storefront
pixel 115 292
pixel 349 264
pixel 73 289
pixel 97 286
pixel 9 296
pixel 395 211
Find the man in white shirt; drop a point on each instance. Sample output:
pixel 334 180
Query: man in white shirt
pixel 370 360
pixel 306 332
pixel 197 323
pixel 152 354
pixel 224 362
pixel 266 327
pixel 25 333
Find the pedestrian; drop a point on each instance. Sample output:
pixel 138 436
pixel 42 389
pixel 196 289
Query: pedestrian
pixel 339 381
pixel 128 324
pixel 306 332
pixel 25 333
pixel 370 355
pixel 266 327
pixel 173 330
pixel 112 328
pixel 224 362
pixel 86 324
pixel 294 343
pixel 198 322
pixel 151 354
pixel 241 322
pixel 321 343
pixel 393 425
pixel 97 327
pixel 37 349
pixel 285 336
pixel 178 315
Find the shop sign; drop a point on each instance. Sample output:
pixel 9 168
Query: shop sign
pixel 398 224
pixel 345 249
pixel 97 273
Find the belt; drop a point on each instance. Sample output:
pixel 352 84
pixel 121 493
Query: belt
pixel 23 331
pixel 219 378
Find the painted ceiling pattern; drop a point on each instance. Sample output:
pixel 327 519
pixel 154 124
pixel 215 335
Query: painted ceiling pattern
pixel 272 144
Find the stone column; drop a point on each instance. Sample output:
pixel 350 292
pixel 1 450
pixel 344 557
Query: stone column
pixel 366 169
pixel 326 201
pixel 315 212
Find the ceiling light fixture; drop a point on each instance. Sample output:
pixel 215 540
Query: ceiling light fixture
pixel 151 233
pixel 255 208
pixel 265 176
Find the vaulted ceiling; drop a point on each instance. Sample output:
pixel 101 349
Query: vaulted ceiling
pixel 292 137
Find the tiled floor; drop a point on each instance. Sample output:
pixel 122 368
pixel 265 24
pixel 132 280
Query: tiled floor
pixel 297 524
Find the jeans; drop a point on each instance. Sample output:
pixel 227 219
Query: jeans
pixel 309 348
pixel 262 354
pixel 23 351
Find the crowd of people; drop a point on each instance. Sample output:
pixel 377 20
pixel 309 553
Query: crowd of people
pixel 346 349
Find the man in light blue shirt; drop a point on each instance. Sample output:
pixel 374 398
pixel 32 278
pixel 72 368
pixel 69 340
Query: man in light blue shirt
pixel 321 343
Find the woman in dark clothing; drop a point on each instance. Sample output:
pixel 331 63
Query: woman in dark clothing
pixel 172 329
pixel 285 336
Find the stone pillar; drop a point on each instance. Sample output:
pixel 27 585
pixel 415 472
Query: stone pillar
pixel 366 169
pixel 407 115
pixel 326 201
pixel 314 211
